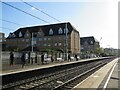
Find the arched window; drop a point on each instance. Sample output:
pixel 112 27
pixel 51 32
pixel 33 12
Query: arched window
pixel 50 32
pixel 20 34
pixel 65 30
pixel 60 31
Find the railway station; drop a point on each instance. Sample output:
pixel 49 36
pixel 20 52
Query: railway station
pixel 38 51
pixel 86 73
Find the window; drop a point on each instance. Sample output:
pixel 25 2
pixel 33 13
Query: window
pixel 91 42
pixel 34 45
pixel 49 38
pixel 20 34
pixel 49 45
pixel 55 44
pixel 40 44
pixel 34 38
pixel 39 33
pixel 50 32
pixel 27 40
pixel 45 39
pixel 60 44
pixel 45 44
pixel 65 30
pixel 60 31
pixel 40 39
pixel 27 34
pixel 13 35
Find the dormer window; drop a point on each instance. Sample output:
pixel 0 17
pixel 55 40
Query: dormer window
pixel 50 32
pixel 20 34
pixel 91 42
pixel 13 35
pixel 65 30
pixel 60 31
pixel 39 33
pixel 27 34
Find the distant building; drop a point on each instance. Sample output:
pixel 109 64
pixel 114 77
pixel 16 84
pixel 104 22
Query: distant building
pixel 111 51
pixel 89 44
pixel 2 41
pixel 46 37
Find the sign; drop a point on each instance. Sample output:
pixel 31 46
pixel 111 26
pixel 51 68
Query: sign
pixel 32 55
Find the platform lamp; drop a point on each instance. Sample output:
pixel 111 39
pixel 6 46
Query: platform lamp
pixel 66 42
pixel 32 42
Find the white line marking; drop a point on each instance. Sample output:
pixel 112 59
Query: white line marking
pixel 109 76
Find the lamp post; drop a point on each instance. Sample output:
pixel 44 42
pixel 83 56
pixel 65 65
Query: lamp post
pixel 66 42
pixel 32 42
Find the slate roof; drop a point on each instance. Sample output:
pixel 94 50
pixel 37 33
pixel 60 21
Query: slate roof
pixel 88 40
pixel 45 29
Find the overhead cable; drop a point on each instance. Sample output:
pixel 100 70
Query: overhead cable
pixel 10 22
pixel 24 12
pixel 40 11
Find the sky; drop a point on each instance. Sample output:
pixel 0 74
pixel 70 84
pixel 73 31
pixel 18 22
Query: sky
pixel 98 18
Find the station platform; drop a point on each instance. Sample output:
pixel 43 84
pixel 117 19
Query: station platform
pixel 7 69
pixel 106 78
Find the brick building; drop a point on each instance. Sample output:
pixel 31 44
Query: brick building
pixel 89 44
pixel 46 37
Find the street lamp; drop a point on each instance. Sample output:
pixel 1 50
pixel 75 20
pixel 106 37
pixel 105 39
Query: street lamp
pixel 32 42
pixel 66 42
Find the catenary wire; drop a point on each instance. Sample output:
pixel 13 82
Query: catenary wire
pixel 24 12
pixel 10 22
pixel 41 11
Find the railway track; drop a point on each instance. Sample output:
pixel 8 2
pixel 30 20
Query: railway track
pixel 60 80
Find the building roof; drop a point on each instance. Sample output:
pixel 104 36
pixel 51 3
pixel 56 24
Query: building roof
pixel 45 29
pixel 90 40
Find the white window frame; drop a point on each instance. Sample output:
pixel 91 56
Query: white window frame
pixel 20 34
pixel 50 32
pixel 13 35
pixel 60 31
